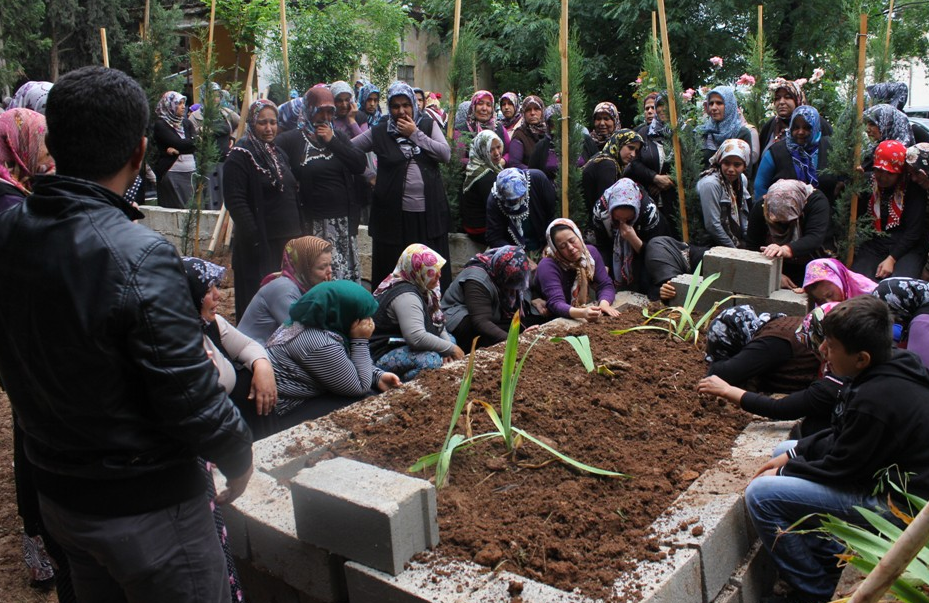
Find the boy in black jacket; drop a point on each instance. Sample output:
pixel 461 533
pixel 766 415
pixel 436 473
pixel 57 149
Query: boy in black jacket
pixel 880 422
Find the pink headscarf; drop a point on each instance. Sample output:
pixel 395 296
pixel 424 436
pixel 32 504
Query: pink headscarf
pixel 851 283
pixel 22 142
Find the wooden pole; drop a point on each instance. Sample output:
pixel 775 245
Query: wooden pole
pixel 890 18
pixel 209 43
pixel 146 20
pixel 284 47
pixel 106 52
pixel 452 108
pixel 565 121
pixel 760 36
pixel 246 98
pixel 895 562
pixel 853 207
pixel 672 114
pixel 655 26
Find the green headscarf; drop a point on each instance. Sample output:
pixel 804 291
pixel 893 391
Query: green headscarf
pixel 333 306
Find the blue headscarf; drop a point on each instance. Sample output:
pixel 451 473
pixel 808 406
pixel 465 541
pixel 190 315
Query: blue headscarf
pixel 805 157
pixel 402 89
pixel 717 132
pixel 366 91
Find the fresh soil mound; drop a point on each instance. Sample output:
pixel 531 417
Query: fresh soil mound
pixel 542 519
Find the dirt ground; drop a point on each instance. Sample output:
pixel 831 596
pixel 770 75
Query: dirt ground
pixel 547 521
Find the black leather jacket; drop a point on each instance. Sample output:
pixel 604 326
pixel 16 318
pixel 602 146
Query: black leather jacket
pixel 102 354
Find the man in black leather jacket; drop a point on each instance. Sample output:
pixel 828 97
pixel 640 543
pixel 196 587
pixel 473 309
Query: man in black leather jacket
pixel 102 355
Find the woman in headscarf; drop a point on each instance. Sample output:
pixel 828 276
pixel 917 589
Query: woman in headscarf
pixel 434 110
pixel 510 109
pixel 788 95
pixel 252 388
pixel 529 133
pixel 723 121
pixel 570 267
pixel 652 166
pixel 608 166
pixel 325 164
pixel 409 326
pixel 480 116
pixel 544 157
pixel 897 205
pixel 225 123
pixel 724 195
pixel 828 280
pixel 908 299
pixel 625 220
pixel 23 154
pixel 323 348
pixel 484 163
pixel 520 206
pixel 803 154
pixel 409 204
pixel 764 354
pixel 345 109
pixel 917 164
pixel 884 122
pixel 792 222
pixel 261 196
pixel 369 101
pixel 485 295
pixel 648 113
pixel 606 121
pixel 31 95
pixel 175 164
pixel 307 262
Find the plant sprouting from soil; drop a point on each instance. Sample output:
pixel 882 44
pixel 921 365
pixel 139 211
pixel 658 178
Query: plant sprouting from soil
pixel 678 321
pixel 503 421
pixel 581 345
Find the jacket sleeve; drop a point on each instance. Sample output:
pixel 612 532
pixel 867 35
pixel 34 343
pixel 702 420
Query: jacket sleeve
pixel 433 143
pixel 606 291
pixel 351 156
pixel 764 175
pixel 181 388
pixel 757 232
pixel 548 275
pixel 340 373
pixel 407 309
pixel 481 311
pixel 237 188
pixel 912 222
pixel 817 400
pixel 759 356
pixel 517 155
pixel 815 221
pixel 496 235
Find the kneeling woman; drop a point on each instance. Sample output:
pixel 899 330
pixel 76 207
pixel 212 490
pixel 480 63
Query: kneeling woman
pixel 323 348
pixel 908 299
pixel 409 327
pixel 483 298
pixel 568 269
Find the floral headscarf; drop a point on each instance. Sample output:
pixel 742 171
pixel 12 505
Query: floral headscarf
pixel 889 156
pixel 625 193
pixel 734 147
pixel 783 206
pixel 805 157
pixel 917 157
pixel 202 276
pixel 471 119
pixel 894 94
pixel 850 283
pixel 511 193
pixel 535 131
pixel 611 110
pixel 717 132
pixel 614 145
pixel 22 140
pixel 508 268
pixel 729 332
pixel 517 115
pixel 584 267
pixel 418 265
pixel 366 91
pixel 32 95
pixel 905 296
pixel 167 108
pixel 264 155
pixel 479 159
pixel 299 257
pixel 892 123
pixel 811 332
pixel 795 91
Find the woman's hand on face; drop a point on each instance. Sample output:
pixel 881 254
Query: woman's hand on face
pixel 608 309
pixel 362 328
pixel 405 126
pixel 323 132
pixel 388 381
pixel 352 111
pixel 264 388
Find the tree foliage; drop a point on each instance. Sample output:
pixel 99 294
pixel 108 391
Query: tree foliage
pixel 154 57
pixel 248 23
pixel 20 36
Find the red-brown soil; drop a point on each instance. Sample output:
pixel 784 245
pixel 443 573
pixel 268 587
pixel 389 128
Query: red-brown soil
pixel 552 523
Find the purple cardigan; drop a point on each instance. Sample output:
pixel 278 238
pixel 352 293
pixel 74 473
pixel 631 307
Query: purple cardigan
pixel 556 283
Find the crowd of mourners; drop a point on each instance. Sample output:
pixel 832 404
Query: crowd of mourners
pixel 128 388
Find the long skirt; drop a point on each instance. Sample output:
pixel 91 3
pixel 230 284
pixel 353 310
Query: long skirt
pixel 345 263
pixel 175 190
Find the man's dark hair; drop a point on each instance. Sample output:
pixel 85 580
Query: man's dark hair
pixel 862 324
pixel 96 118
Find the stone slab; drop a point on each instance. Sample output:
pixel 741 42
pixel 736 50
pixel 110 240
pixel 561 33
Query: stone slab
pixel 676 579
pixel 743 271
pixel 782 300
pixel 367 514
pixel 285 453
pixel 709 297
pixel 170 223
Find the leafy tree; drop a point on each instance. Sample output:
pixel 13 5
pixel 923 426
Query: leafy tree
pixel 154 57
pixel 20 37
pixel 248 23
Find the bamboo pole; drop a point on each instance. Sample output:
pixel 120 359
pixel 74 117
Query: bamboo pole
pixel 209 43
pixel 106 52
pixel 760 36
pixel 284 47
pixel 565 125
pixel 895 562
pixel 672 114
pixel 853 207
pixel 217 230
pixel 146 20
pixel 246 98
pixel 655 26
pixel 890 18
pixel 451 94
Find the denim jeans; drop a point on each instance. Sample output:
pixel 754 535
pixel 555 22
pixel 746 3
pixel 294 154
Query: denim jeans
pixel 806 561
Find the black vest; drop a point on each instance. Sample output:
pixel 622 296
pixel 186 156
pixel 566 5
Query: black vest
pixel 784 166
pixel 385 329
pixel 387 204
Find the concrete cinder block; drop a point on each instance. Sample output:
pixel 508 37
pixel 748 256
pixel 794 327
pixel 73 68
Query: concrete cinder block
pixel 287 452
pixel 677 579
pixel 171 223
pixel 743 271
pixel 626 300
pixel 755 578
pixel 730 594
pixel 274 548
pixel 260 586
pixel 710 296
pixel 782 300
pixel 371 515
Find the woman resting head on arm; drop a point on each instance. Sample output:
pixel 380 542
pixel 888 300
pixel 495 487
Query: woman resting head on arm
pixel 828 280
